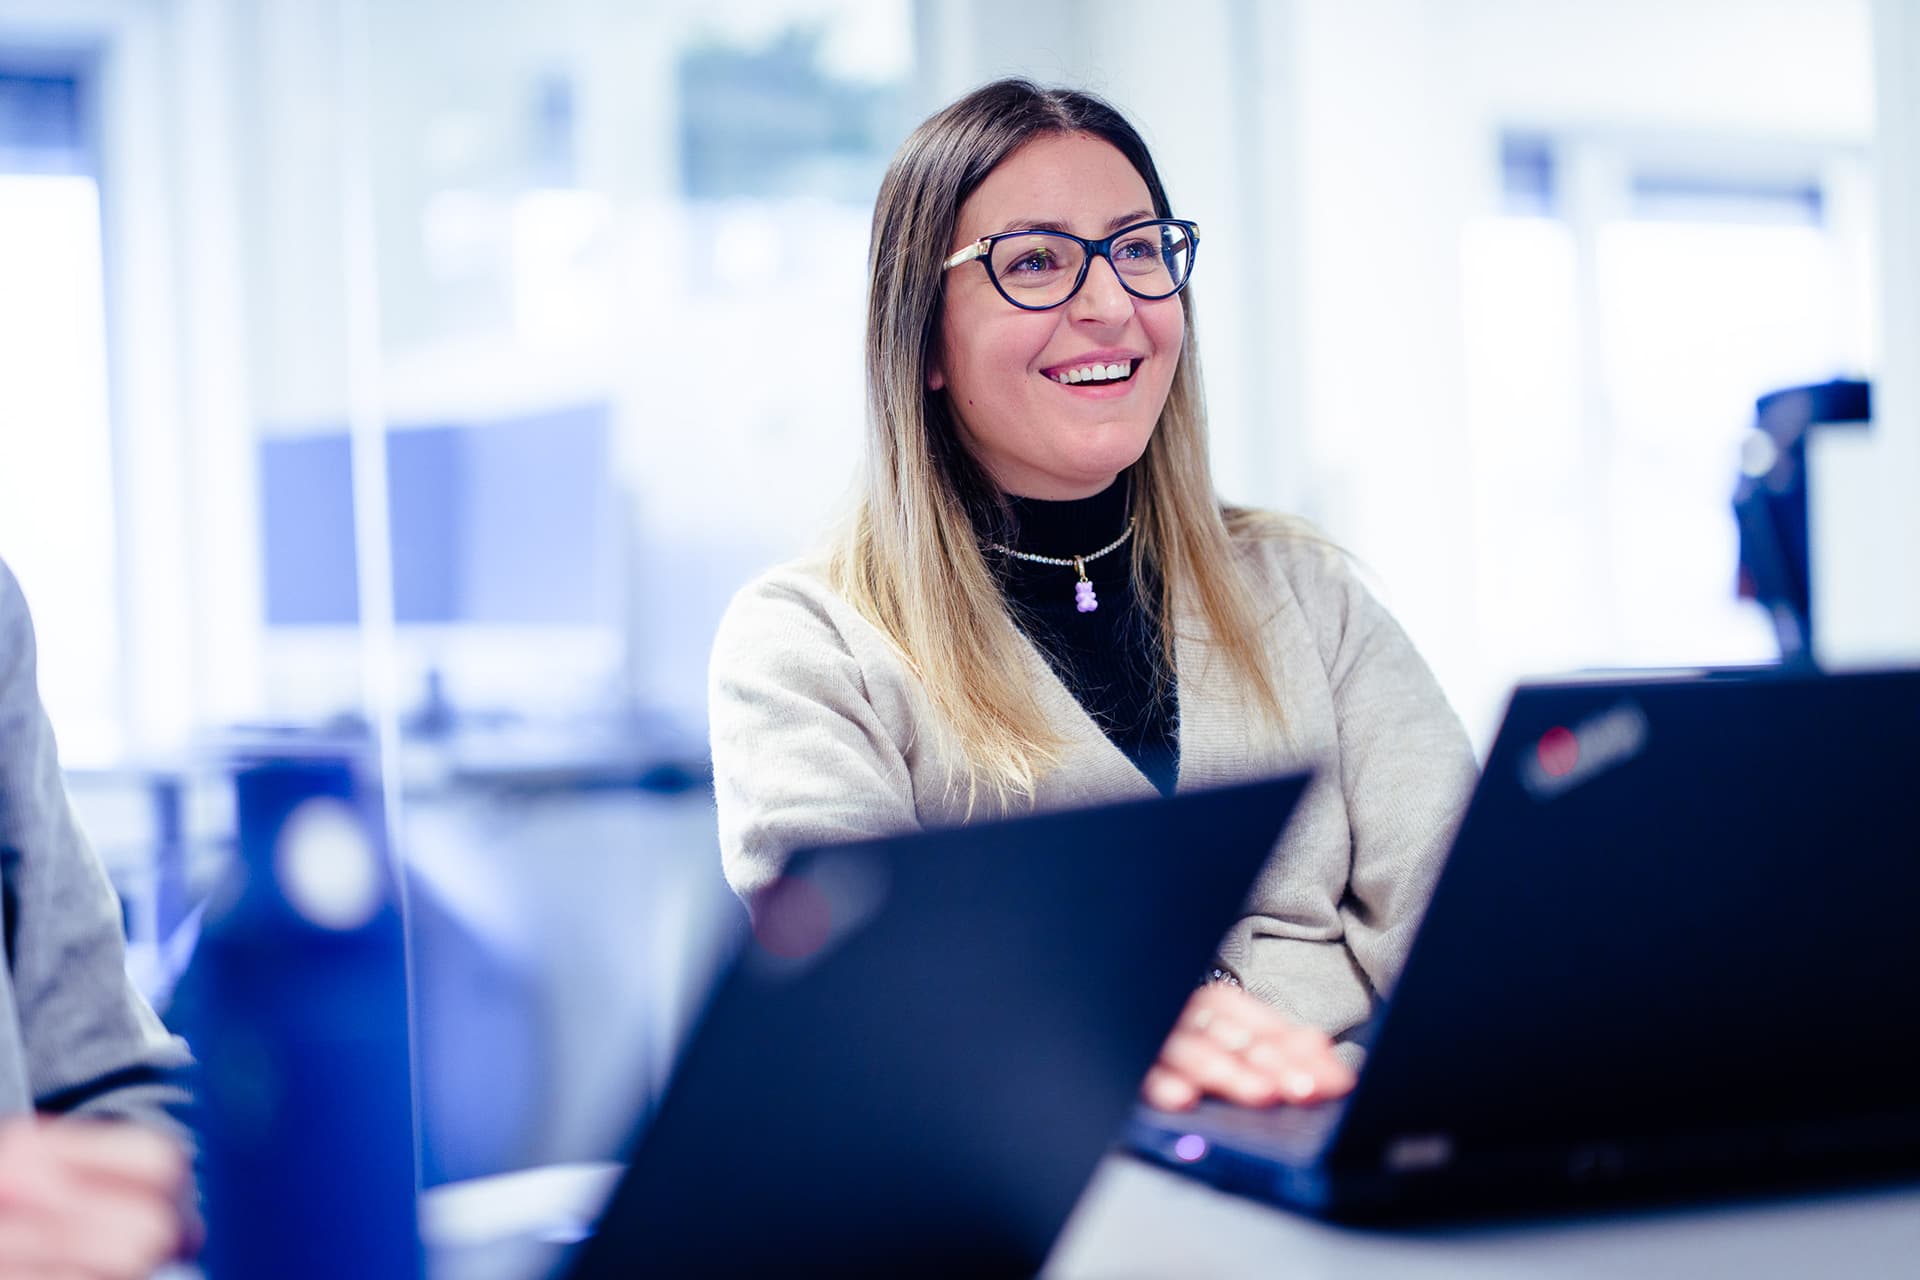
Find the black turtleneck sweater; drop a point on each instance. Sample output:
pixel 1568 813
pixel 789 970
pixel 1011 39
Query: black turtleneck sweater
pixel 1107 658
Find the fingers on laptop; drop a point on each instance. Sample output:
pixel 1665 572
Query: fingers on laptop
pixel 1235 1046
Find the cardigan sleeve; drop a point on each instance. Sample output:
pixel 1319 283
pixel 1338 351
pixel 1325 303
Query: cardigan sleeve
pixel 801 754
pixel 91 1043
pixel 1406 768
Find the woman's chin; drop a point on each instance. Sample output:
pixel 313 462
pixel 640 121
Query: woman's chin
pixel 1081 480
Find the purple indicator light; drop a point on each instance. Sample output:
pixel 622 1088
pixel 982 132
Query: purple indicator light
pixel 1190 1147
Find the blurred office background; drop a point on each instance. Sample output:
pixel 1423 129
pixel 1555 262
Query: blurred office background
pixel 430 374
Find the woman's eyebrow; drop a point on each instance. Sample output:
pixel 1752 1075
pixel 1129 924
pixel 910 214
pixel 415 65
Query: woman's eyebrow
pixel 1048 224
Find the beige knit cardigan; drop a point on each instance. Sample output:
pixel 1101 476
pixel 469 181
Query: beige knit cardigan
pixel 820 733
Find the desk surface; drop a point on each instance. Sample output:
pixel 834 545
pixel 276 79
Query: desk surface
pixel 1138 1220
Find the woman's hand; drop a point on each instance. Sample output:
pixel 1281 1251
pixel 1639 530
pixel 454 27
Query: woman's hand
pixel 92 1199
pixel 1238 1047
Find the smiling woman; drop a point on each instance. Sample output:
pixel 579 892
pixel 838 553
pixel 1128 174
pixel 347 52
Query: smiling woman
pixel 1035 423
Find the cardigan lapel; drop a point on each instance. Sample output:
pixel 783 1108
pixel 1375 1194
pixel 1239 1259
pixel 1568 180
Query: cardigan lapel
pixel 1091 767
pixel 1214 742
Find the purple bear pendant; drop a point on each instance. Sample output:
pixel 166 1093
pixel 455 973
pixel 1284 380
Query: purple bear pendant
pixel 1083 597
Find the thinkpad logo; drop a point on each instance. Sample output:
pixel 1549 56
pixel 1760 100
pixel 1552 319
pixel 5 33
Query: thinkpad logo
pixel 1564 758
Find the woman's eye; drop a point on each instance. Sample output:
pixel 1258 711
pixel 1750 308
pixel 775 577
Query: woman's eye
pixel 1136 249
pixel 1035 260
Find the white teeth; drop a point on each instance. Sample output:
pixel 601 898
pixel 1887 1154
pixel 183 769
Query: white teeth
pixel 1096 373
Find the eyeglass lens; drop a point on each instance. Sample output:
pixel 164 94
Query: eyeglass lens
pixel 1041 268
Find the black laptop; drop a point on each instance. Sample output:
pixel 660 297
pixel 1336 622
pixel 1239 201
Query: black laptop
pixel 1675 948
pixel 930 1041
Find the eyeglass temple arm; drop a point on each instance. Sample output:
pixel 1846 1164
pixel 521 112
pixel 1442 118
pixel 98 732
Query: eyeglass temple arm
pixel 966 255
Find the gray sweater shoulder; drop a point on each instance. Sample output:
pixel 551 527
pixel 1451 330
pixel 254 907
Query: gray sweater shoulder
pixel 77 1037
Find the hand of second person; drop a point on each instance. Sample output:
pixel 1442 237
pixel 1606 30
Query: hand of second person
pixel 1233 1045
pixel 88 1198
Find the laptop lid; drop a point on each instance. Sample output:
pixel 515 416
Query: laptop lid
pixel 931 1039
pixel 1679 904
pixel 1671 942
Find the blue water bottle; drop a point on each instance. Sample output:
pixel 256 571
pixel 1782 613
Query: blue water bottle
pixel 296 1006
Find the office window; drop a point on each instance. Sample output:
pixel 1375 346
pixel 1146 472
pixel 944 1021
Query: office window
pixel 56 466
pixel 1619 333
pixel 776 120
pixel 658 211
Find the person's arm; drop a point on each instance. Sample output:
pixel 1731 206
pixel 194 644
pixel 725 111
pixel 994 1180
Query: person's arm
pixel 805 751
pixel 1403 769
pixel 96 1185
pixel 92 1045
pixel 1407 770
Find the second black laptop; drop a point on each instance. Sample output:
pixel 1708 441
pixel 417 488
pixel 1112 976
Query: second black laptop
pixel 1674 949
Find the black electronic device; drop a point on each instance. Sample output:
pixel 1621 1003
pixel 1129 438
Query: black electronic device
pixel 1770 503
pixel 1671 952
pixel 931 1040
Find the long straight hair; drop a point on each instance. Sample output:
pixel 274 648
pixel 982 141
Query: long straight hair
pixel 910 560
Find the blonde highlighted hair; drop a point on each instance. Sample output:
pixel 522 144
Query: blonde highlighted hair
pixel 910 558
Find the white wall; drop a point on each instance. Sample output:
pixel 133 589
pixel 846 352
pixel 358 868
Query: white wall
pixel 1867 499
pixel 1387 158
pixel 1782 68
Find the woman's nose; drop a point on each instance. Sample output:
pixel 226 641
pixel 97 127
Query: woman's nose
pixel 1101 300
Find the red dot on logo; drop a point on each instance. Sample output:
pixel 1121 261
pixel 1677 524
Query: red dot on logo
pixel 1559 751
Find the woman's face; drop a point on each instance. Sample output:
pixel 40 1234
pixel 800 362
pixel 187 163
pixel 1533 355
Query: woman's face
pixel 1000 366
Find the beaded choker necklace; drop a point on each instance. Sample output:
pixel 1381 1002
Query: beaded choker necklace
pixel 1083 597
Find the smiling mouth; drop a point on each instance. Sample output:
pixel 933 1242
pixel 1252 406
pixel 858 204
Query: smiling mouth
pixel 1095 373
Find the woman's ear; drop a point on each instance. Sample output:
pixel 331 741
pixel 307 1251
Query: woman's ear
pixel 936 377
